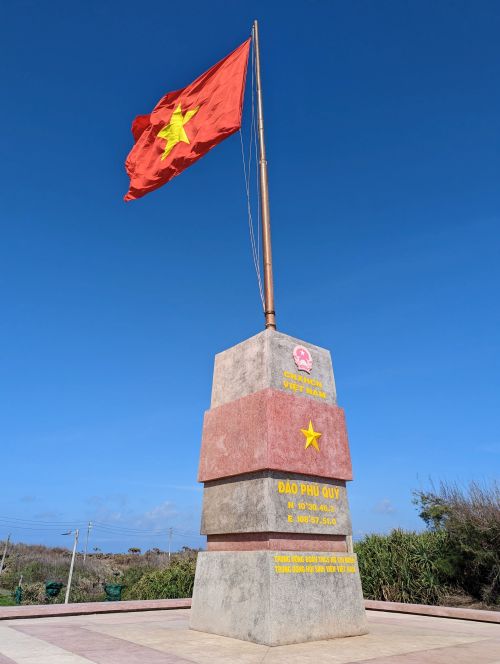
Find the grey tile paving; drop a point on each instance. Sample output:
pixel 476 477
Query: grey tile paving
pixel 163 637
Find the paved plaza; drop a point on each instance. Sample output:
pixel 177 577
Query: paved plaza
pixel 163 637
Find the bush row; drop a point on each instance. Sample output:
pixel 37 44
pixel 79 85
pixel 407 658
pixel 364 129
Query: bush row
pixel 459 553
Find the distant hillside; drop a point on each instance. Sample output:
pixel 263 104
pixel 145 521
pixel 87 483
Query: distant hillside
pixel 37 564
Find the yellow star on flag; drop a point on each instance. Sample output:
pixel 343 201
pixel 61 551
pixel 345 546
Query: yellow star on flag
pixel 311 436
pixel 174 131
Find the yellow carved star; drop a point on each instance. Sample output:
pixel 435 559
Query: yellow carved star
pixel 311 436
pixel 174 131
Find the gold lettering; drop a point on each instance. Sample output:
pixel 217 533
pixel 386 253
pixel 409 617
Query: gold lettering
pixel 297 559
pixel 290 385
pixel 331 492
pixel 313 569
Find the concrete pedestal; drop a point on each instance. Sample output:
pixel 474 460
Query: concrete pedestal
pixel 279 597
pixel 274 462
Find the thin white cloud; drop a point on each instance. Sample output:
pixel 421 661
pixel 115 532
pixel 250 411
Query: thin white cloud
pixel 159 514
pixel 384 506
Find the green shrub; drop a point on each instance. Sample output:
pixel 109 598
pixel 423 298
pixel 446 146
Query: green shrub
pixel 34 593
pixel 471 520
pixel 131 576
pixel 173 582
pixel 404 566
pixel 84 589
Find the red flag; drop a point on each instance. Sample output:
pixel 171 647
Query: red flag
pixel 186 124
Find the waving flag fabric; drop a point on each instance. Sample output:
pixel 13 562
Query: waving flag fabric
pixel 186 124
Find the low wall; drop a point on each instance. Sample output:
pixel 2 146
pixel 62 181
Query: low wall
pixel 47 610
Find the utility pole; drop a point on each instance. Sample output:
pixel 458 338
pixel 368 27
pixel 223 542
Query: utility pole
pixel 68 588
pixel 89 528
pixel 169 543
pixel 4 552
pixel 267 257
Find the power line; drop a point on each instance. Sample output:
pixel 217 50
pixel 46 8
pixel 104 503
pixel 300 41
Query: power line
pixel 38 521
pixel 112 528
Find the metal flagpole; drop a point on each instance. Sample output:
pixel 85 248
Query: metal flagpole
pixel 264 195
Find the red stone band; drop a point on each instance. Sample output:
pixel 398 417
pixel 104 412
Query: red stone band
pixel 276 542
pixel 263 431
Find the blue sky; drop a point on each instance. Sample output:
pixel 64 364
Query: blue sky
pixel 383 137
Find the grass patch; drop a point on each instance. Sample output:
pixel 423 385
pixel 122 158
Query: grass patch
pixel 6 600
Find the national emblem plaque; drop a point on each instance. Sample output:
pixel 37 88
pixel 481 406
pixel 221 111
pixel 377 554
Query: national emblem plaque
pixel 303 358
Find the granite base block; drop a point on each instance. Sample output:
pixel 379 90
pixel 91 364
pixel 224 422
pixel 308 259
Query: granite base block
pixel 278 597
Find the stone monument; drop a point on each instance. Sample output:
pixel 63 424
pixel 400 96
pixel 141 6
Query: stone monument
pixel 274 457
pixel 274 463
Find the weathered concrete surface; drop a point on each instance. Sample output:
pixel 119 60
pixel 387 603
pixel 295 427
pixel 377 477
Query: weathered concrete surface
pixel 277 598
pixel 263 431
pixel 275 502
pixel 261 362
